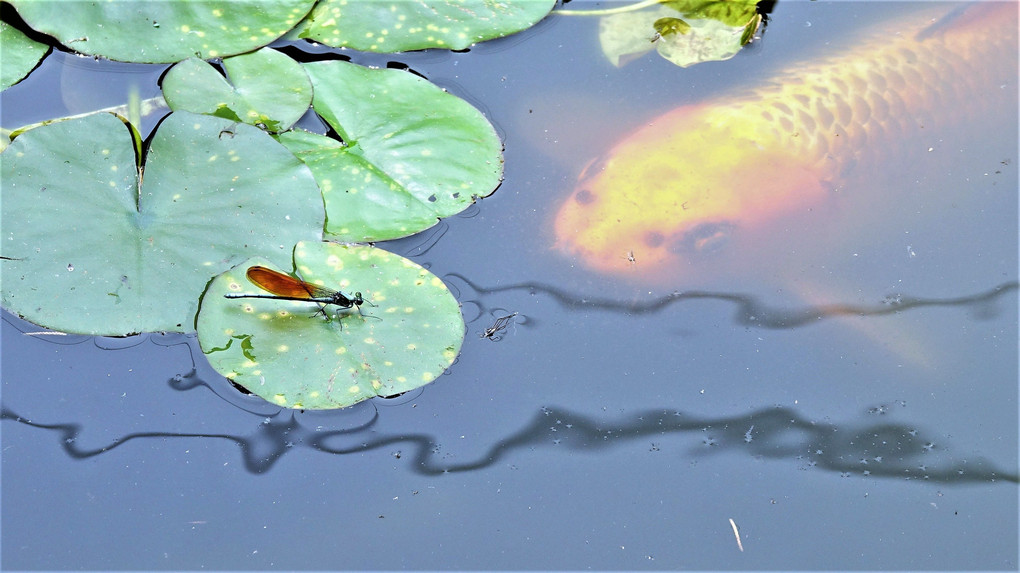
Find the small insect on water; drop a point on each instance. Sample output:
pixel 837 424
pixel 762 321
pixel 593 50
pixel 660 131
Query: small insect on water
pixel 494 332
pixel 285 287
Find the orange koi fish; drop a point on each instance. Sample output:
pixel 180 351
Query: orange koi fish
pixel 680 186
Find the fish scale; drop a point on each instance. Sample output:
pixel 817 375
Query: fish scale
pixel 695 175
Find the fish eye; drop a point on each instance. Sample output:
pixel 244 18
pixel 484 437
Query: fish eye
pixel 584 197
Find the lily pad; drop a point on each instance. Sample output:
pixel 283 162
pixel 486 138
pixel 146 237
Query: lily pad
pixel 283 351
pixel 89 248
pixel 21 54
pixel 388 26
pixel 734 13
pixel 163 31
pixel 411 153
pixel 269 89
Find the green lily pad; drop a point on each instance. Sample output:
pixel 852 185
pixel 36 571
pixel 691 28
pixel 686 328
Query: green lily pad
pixel 88 248
pixel 411 153
pixel 286 353
pixel 163 31
pixel 20 55
pixel 668 26
pixel 269 89
pixel 388 26
pixel 733 13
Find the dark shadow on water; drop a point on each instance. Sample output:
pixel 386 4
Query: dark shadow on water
pixel 875 449
pixel 864 448
pixel 750 311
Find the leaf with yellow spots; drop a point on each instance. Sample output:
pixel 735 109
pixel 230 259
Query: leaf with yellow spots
pixel 387 26
pixel 90 247
pixel 163 31
pixel 411 152
pixel 407 333
pixel 267 89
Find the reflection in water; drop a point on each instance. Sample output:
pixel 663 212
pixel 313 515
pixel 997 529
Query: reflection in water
pixel 749 310
pixel 863 449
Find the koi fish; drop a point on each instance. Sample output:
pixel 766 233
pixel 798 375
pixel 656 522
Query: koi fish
pixel 680 186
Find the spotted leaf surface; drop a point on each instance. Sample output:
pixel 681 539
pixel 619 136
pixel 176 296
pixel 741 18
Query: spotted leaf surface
pixel 163 31
pixel 88 248
pixel 266 88
pixel 411 153
pixel 411 331
pixel 397 26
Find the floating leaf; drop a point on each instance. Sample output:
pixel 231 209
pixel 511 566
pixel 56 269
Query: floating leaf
pixel 268 89
pixel 704 34
pixel 398 25
pixel 733 13
pixel 629 35
pixel 411 152
pixel 20 55
pixel 668 26
pixel 87 251
pixel 286 353
pixel 706 41
pixel 749 29
pixel 163 31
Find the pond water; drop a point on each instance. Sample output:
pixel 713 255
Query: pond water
pixel 842 390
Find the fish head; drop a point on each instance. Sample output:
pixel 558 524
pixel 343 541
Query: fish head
pixel 681 189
